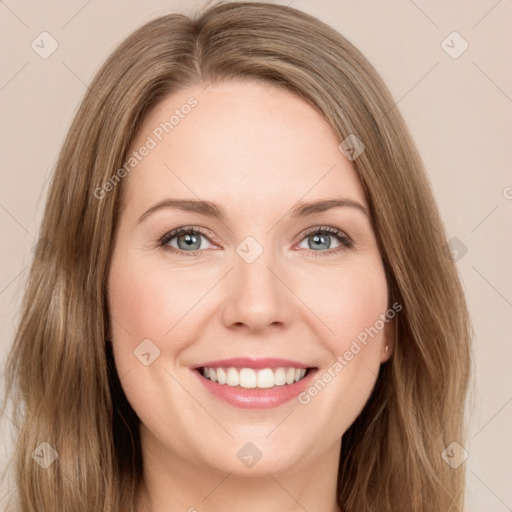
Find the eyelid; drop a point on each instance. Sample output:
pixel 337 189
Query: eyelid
pixel 325 229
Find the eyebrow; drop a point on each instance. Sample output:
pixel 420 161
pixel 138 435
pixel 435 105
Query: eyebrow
pixel 209 209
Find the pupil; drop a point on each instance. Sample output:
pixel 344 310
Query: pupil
pixel 321 239
pixel 190 240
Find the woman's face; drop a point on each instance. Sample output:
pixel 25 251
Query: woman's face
pixel 269 276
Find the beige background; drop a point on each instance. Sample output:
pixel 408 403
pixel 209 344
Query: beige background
pixel 458 109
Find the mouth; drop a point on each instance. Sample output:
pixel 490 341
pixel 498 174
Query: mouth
pixel 255 384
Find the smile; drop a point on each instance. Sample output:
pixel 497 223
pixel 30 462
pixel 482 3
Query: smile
pixel 254 384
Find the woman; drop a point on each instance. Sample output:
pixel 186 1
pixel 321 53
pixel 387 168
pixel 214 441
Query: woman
pixel 241 296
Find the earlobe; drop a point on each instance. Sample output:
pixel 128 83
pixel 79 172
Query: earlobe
pixel 389 344
pixel 386 353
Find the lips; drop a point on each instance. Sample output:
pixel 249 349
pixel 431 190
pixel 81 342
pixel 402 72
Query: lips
pixel 254 383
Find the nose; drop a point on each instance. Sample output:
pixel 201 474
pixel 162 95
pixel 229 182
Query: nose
pixel 256 296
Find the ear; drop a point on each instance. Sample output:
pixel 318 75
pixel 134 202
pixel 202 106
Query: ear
pixel 388 341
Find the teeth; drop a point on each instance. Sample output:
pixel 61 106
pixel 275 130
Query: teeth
pixel 221 376
pixel 249 378
pixel 233 378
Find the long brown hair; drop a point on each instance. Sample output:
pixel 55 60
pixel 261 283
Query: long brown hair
pixel 60 375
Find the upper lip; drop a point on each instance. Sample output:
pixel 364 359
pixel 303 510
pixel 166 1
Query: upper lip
pixel 247 362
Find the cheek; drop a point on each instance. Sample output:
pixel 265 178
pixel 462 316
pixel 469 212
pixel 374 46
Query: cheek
pixel 146 304
pixel 149 303
pixel 349 302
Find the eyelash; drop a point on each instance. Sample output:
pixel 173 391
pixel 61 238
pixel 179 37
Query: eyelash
pixel 345 241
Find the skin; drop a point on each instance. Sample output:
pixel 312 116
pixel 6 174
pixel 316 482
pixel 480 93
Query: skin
pixel 255 150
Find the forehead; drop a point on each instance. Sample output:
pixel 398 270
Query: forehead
pixel 235 142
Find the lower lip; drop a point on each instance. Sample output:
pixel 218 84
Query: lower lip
pixel 256 398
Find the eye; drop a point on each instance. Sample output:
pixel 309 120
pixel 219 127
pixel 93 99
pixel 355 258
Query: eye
pixel 184 240
pixel 188 240
pixel 319 241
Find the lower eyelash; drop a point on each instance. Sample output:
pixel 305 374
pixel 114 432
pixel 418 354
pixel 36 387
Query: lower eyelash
pixel 345 241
